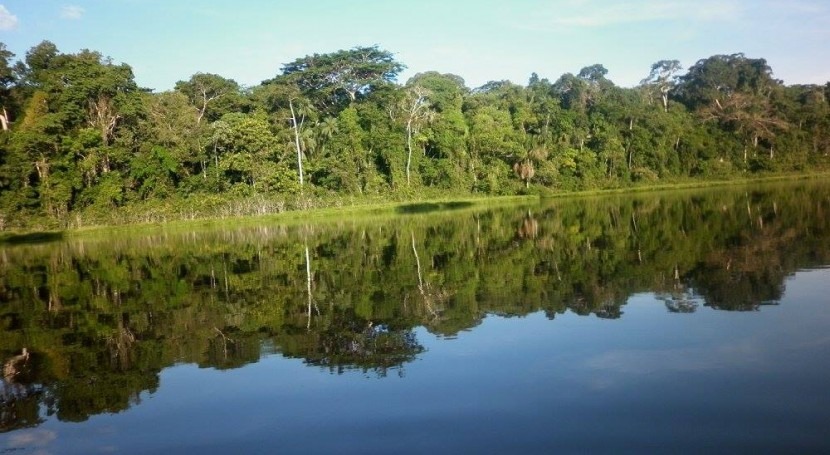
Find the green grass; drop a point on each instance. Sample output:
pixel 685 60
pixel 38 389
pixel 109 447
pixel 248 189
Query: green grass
pixel 337 211
pixel 355 213
pixel 690 184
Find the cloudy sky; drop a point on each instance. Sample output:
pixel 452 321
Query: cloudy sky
pixel 480 40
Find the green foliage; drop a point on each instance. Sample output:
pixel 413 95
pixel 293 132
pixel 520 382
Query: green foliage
pixel 78 133
pixel 339 78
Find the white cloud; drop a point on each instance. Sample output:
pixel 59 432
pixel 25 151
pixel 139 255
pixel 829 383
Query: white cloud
pixel 8 21
pixel 72 12
pixel 597 13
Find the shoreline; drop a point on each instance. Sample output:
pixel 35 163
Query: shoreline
pixel 370 209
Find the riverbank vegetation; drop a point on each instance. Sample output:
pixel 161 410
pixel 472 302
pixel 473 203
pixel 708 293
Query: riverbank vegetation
pixel 83 144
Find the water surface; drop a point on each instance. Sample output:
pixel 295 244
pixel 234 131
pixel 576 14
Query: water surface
pixel 672 322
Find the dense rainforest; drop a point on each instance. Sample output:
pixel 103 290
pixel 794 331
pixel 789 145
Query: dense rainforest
pixel 82 143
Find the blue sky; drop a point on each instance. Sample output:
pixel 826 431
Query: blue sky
pixel 480 40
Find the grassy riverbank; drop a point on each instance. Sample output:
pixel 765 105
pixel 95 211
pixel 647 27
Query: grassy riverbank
pixel 215 212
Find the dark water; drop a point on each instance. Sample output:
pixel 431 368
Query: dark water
pixel 682 322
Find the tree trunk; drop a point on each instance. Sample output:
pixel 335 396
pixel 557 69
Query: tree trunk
pixel 408 148
pixel 4 120
pixel 296 140
pixel 204 107
pixel 42 168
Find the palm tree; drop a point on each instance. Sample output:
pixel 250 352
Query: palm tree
pixel 525 168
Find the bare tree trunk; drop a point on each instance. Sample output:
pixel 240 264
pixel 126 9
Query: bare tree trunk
pixel 408 148
pixel 296 140
pixel 4 119
pixel 204 106
pixel 102 113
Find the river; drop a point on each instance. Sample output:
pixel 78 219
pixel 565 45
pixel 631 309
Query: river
pixel 683 321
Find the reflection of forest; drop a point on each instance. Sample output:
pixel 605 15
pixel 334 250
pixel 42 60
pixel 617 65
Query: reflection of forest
pixel 86 326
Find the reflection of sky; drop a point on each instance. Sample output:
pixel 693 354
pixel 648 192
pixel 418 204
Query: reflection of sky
pixel 652 380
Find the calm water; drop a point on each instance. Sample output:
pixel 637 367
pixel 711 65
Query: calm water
pixel 682 322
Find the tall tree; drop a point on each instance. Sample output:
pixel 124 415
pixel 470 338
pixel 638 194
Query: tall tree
pixel 737 92
pixel 283 99
pixel 337 79
pixel 417 111
pixel 662 79
pixel 7 80
pixel 211 95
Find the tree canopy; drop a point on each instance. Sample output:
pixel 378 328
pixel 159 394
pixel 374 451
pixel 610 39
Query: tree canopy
pixel 82 143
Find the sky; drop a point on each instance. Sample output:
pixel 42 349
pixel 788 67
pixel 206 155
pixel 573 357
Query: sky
pixel 480 40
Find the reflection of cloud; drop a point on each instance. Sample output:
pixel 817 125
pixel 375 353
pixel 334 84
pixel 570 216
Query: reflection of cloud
pixel 72 12
pixel 31 439
pixel 677 360
pixel 8 21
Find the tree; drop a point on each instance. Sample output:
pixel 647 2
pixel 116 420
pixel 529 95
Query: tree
pixel 7 80
pixel 737 92
pixel 593 73
pixel 525 165
pixel 38 62
pixel 662 78
pixel 445 135
pixel 283 99
pixel 211 95
pixel 416 109
pixel 248 148
pixel 337 79
pixel 348 166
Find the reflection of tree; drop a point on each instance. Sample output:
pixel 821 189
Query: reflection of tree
pixel 119 345
pixel 429 295
pixel 100 319
pixel 679 301
pixel 529 229
pixel 350 342
pixel 19 402
pixel 751 270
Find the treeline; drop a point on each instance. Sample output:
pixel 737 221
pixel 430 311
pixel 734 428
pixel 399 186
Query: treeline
pixel 80 137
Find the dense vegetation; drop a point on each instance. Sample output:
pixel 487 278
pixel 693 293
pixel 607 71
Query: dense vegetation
pixel 81 141
pixel 86 326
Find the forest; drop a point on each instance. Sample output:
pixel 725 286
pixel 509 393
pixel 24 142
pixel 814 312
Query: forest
pixel 82 143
